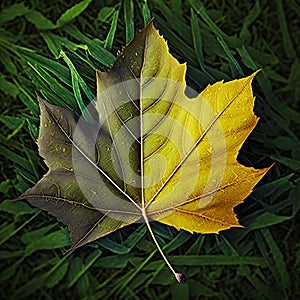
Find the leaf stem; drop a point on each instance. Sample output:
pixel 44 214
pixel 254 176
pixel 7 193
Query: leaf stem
pixel 179 276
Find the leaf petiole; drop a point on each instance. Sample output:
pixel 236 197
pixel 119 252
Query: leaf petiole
pixel 179 276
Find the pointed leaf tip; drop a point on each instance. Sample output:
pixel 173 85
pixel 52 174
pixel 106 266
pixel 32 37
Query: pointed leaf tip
pixel 180 277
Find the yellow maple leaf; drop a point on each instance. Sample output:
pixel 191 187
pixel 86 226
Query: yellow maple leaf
pixel 155 153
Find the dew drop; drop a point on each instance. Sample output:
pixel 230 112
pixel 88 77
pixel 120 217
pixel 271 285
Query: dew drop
pixel 135 53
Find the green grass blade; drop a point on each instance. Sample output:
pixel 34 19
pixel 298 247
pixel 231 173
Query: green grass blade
pixel 54 240
pixel 283 275
pixel 111 34
pixel 249 19
pixel 95 46
pixel 105 13
pixel 8 235
pixel 72 13
pixel 39 20
pixel 8 88
pixel 55 44
pixel 78 82
pixel 146 13
pixel 17 208
pixel 16 158
pixel 90 261
pixel 286 38
pixel 201 10
pixel 11 12
pixel 129 20
pixel 197 41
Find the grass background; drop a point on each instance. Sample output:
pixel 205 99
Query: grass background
pixel 54 48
